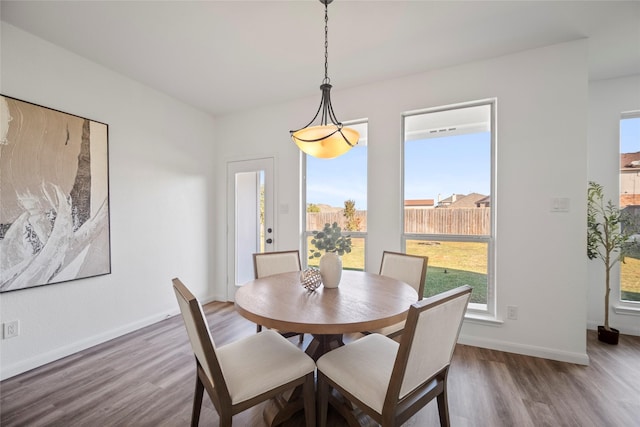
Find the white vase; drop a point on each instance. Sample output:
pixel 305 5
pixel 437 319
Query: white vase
pixel 330 269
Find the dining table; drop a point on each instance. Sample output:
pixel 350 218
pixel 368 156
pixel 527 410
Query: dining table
pixel 361 302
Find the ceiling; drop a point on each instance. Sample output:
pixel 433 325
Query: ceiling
pixel 227 56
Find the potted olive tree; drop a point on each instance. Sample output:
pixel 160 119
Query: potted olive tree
pixel 334 244
pixel 609 242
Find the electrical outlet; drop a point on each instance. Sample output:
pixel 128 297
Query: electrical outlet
pixel 512 312
pixel 11 329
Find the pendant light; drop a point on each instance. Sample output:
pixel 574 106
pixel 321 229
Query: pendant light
pixel 329 138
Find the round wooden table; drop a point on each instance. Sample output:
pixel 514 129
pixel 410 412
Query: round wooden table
pixel 362 302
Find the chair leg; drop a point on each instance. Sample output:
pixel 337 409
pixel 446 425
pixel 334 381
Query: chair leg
pixel 323 400
pixel 309 393
pixel 197 403
pixel 225 420
pixel 301 338
pixel 443 407
pixel 258 328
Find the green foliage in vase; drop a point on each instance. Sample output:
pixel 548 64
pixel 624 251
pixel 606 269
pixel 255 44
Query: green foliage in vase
pixel 330 239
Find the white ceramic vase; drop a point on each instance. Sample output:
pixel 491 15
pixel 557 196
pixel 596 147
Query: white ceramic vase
pixel 330 269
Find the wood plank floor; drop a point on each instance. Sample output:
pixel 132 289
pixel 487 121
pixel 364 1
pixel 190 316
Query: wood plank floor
pixel 146 378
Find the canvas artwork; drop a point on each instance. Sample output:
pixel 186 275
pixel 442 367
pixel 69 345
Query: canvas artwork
pixel 54 196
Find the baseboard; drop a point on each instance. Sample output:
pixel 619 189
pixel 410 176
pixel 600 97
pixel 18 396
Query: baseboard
pixel 58 353
pixel 212 299
pixel 527 350
pixel 593 326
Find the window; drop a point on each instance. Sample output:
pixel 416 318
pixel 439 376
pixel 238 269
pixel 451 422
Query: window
pixel 336 191
pixel 448 164
pixel 630 200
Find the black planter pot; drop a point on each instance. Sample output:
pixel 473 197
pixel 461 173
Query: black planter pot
pixel 610 337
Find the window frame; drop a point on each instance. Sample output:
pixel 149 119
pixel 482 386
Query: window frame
pixel 478 311
pixel 621 306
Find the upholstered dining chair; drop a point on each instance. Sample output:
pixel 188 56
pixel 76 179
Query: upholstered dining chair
pixel 391 381
pixel 246 372
pixel 269 263
pixel 411 269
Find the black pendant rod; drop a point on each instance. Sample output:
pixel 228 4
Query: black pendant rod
pixel 325 102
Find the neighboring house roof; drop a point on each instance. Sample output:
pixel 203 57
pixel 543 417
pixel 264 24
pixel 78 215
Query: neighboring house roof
pixel 629 200
pixel 484 202
pixel 472 200
pixel 468 201
pixel 419 202
pixel 630 160
pixel 449 200
pixel 629 168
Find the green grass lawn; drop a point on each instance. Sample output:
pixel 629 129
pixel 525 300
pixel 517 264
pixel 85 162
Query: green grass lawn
pixel 350 261
pixel 442 279
pixel 630 279
pixel 452 264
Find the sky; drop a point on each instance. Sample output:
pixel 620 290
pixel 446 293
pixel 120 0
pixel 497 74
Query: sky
pixel 445 166
pixel 630 135
pixel 332 181
pixel 434 166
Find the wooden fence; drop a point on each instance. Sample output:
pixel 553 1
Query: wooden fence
pixel 464 221
pixel 317 220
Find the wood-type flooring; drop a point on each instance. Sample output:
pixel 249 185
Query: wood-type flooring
pixel 146 378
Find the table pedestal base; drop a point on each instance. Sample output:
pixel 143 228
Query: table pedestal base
pixel 354 416
pixel 283 407
pixel 322 344
pixel 286 405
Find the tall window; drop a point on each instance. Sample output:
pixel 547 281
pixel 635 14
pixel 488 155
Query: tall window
pixel 448 163
pixel 336 191
pixel 630 200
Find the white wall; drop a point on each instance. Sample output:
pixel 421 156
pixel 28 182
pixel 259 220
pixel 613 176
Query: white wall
pixel 161 198
pixel 165 174
pixel 607 100
pixel 542 153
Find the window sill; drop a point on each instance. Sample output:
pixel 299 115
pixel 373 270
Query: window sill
pixel 483 319
pixel 631 311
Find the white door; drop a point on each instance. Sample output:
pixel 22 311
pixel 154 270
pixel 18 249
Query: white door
pixel 250 216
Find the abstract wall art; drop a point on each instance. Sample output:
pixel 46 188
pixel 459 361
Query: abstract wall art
pixel 54 196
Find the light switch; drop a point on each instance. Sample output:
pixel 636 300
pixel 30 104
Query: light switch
pixel 560 204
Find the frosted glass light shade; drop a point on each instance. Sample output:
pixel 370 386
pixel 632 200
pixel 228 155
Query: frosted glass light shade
pixel 325 142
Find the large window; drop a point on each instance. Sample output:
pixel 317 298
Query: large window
pixel 630 200
pixel 448 164
pixel 336 192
